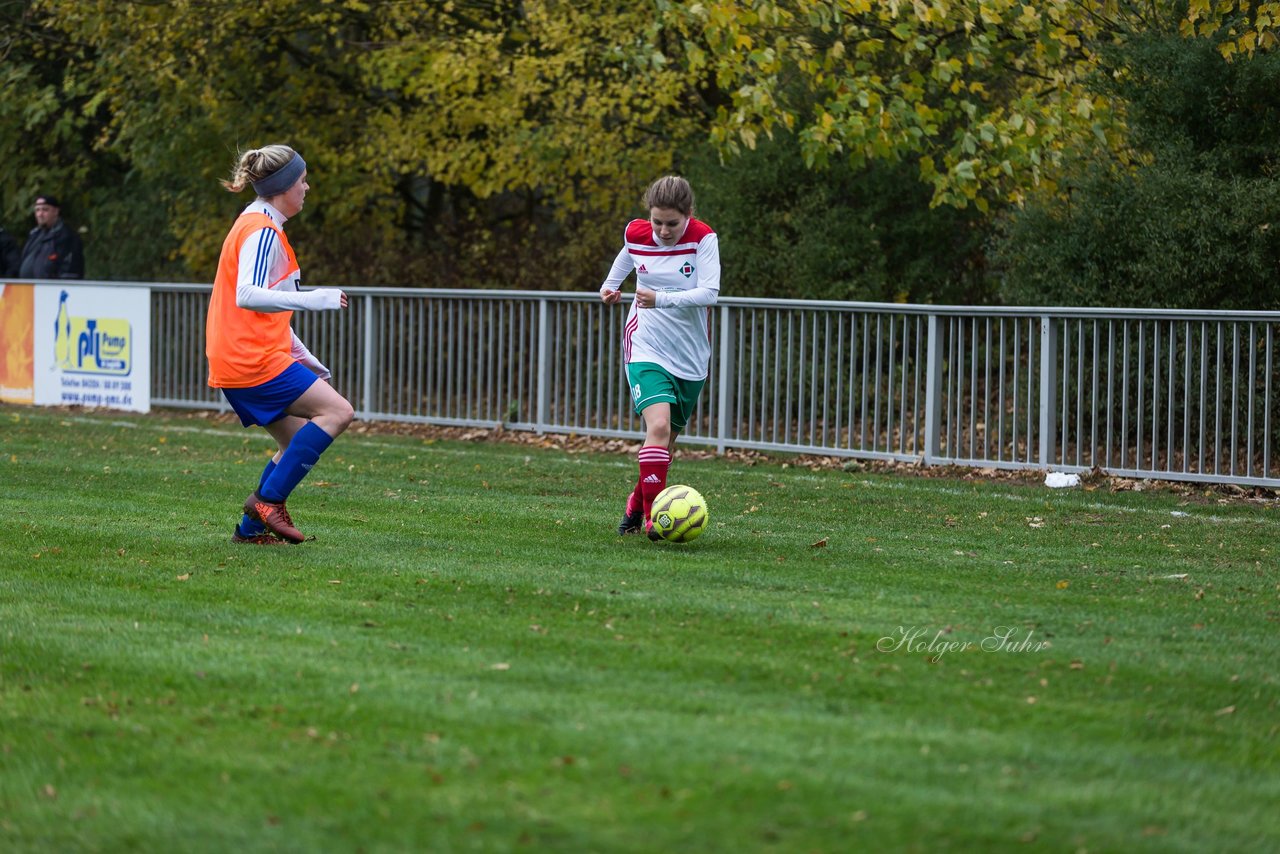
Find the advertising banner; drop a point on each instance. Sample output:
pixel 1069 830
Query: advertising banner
pixel 92 346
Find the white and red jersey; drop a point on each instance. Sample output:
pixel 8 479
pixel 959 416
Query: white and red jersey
pixel 676 332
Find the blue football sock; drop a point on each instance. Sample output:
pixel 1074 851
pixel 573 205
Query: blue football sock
pixel 252 527
pixel 303 452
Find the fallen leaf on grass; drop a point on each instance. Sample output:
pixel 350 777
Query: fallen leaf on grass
pixel 501 665
pixel 1227 710
pixel 184 576
pixel 819 544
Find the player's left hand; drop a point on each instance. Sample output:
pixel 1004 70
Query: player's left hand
pixel 646 298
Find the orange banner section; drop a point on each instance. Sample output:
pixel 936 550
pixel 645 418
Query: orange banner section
pixel 17 343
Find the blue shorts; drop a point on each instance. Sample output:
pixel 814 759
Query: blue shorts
pixel 263 404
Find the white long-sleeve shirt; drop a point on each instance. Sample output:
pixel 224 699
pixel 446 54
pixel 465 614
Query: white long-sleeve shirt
pixel 266 283
pixel 675 333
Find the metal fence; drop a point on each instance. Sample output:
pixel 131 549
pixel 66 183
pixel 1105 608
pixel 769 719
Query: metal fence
pixel 1160 394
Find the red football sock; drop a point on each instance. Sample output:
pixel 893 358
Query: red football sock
pixel 655 460
pixel 635 500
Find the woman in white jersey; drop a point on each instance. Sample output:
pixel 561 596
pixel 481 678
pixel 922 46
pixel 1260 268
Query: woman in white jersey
pixel 666 343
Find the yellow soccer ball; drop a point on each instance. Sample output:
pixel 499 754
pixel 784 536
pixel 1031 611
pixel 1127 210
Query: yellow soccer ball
pixel 679 514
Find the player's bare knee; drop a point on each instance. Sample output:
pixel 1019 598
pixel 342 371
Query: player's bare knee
pixel 343 415
pixel 659 433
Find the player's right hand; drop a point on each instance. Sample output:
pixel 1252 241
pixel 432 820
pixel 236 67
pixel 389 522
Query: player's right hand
pixel 610 296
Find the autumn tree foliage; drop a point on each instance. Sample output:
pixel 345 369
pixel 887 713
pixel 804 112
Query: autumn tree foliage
pixel 990 97
pixel 1193 224
pixel 444 140
pixel 494 142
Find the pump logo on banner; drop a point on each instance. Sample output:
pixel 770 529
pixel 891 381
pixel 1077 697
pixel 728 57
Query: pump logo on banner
pixel 91 345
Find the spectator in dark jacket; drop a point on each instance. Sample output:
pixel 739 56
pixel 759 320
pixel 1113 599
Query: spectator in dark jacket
pixel 10 256
pixel 53 250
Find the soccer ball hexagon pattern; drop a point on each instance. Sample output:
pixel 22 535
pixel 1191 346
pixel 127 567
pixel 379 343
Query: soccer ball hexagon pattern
pixel 679 514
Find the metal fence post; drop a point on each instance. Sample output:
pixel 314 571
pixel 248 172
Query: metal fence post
pixel 543 415
pixel 366 394
pixel 725 378
pixel 1048 386
pixel 933 392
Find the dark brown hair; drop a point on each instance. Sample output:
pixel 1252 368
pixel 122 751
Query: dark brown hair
pixel 671 192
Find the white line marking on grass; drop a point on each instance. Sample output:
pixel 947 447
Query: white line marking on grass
pixel 234 432
pixel 1093 505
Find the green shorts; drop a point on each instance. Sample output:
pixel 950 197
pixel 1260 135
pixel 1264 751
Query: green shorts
pixel 652 384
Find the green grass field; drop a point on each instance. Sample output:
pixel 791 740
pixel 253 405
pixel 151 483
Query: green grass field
pixel 468 658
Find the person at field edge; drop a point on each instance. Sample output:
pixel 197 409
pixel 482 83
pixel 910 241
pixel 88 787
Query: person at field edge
pixel 10 256
pixel 265 372
pixel 53 249
pixel 666 341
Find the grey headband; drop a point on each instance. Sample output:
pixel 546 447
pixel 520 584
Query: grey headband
pixel 281 179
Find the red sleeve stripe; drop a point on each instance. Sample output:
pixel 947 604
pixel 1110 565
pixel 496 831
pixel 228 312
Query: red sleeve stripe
pixel 626 338
pixel 663 253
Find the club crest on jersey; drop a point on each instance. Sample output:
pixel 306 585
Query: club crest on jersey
pixel 687 269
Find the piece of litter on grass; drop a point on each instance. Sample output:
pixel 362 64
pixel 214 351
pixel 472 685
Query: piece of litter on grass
pixel 1058 479
pixel 1176 575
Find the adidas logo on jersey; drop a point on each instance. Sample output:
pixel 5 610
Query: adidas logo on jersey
pixel 653 478
pixel 643 269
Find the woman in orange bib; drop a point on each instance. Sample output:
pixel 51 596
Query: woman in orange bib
pixel 265 372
